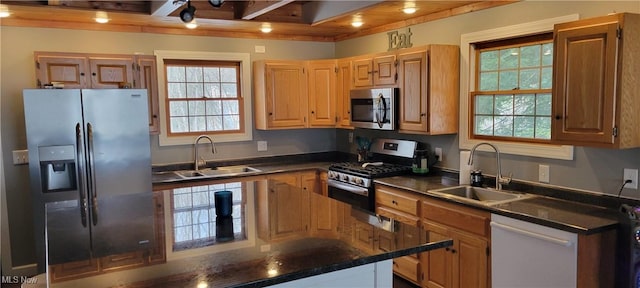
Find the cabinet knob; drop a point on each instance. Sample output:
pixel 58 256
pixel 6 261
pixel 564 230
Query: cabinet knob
pixel 155 116
pixel 94 73
pixel 270 114
pixel 423 114
pixel 558 117
pixel 81 73
pixel 312 112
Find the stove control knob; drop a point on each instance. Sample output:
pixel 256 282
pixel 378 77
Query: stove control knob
pixel 345 178
pixel 332 175
pixel 359 181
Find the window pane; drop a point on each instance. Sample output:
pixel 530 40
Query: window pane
pixel 546 78
pixel 489 60
pixel 232 122
pixel 523 126
pixel 194 74
pixel 230 108
pixel 197 123
pixel 195 90
pixel 524 104
pixel 543 104
pixel 529 78
pixel 228 74
pixel 484 104
pixel 196 108
pixel 543 127
pixel 503 126
pixel 509 58
pixel 211 74
pixel 175 74
pixel 504 105
pixel 181 201
pixel 530 56
pixel 212 90
pixel 176 90
pixel 547 54
pixel 178 108
pixel 484 125
pixel 179 124
pixel 182 218
pixel 214 123
pixel 508 80
pixel 183 234
pixel 214 107
pixel 488 81
pixel 229 90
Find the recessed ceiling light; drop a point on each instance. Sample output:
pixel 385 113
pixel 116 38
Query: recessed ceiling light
pixel 4 11
pixel 192 24
pixel 357 21
pixel 409 10
pixel 266 28
pixel 102 17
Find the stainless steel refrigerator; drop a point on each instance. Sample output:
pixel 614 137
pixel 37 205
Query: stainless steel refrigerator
pixel 90 172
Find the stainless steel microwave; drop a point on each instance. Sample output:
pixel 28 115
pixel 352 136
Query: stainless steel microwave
pixel 374 108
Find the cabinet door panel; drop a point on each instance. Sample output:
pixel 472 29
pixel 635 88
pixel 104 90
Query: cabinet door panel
pixel 70 70
pixel 413 105
pixel 322 92
pixel 384 70
pixel 362 73
pixel 436 264
pixel 471 261
pixel 147 79
pixel 343 88
pixel 111 72
pixel 585 83
pixel 286 96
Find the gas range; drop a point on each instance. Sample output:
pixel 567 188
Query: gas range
pixel 362 174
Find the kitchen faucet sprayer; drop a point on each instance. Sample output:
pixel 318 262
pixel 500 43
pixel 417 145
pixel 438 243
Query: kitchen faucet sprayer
pixel 195 150
pixel 499 179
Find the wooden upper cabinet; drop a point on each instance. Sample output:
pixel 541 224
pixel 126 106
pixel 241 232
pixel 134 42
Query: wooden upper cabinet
pixel 596 89
pixel 111 71
pixel 280 89
pixel 322 93
pixel 429 83
pixel 69 69
pixel 375 70
pixel 343 90
pixel 146 78
pixel 102 71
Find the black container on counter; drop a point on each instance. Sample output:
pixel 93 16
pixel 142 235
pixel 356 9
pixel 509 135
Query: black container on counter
pixel 223 203
pixel 476 178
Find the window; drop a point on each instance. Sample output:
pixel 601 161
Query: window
pixel 468 83
pixel 194 216
pixel 203 96
pixel 204 93
pixel 512 97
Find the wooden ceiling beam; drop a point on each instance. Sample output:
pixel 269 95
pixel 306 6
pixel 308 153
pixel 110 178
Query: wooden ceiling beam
pixel 253 9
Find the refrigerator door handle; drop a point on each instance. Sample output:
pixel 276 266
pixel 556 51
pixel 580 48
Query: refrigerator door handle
pixel 79 169
pixel 91 176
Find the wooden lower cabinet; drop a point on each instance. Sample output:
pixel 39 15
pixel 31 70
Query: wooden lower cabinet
pixel 118 262
pixel 465 264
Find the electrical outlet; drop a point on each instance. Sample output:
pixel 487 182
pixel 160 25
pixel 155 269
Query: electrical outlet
pixel 262 145
pixel 350 137
pixel 439 154
pixel 543 173
pixel 631 174
pixel 20 157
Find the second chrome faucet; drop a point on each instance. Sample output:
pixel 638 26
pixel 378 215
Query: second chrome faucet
pixel 197 159
pixel 499 179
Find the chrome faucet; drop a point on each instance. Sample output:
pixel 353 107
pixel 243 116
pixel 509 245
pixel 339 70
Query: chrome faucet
pixel 499 179
pixel 195 150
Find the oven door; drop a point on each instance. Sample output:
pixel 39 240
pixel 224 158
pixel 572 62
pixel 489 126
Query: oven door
pixel 357 196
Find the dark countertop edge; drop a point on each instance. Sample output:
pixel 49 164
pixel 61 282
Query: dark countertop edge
pixel 345 265
pixel 504 212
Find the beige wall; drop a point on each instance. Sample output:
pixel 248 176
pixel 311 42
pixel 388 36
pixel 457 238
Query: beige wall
pixel 592 169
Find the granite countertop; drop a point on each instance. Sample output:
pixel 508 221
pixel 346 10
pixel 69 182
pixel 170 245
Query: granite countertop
pixel 257 245
pixel 552 212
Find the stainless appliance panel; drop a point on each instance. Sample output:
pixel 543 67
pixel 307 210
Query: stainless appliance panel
pixel 68 240
pixel 374 108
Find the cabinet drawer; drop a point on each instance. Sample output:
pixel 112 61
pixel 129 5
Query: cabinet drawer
pixel 397 199
pixel 408 267
pixel 457 216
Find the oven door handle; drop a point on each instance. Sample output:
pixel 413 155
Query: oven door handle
pixel 347 187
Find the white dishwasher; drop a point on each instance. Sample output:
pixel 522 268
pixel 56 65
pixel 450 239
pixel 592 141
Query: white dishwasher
pixel 528 255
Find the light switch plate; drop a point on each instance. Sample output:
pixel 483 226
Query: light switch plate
pixel 438 152
pixel 262 145
pixel 631 174
pixel 20 157
pixel 543 173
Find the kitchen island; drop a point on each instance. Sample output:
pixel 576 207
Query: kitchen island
pixel 276 234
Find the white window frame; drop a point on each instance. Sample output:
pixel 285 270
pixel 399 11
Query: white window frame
pixel 467 82
pixel 245 90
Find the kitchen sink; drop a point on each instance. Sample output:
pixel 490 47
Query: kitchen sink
pixel 484 196
pixel 216 172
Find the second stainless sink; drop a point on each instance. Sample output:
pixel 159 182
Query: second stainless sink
pixel 217 172
pixel 484 196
